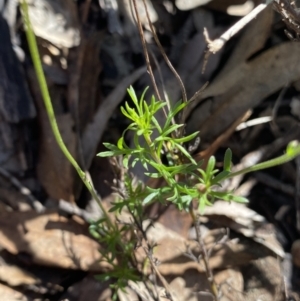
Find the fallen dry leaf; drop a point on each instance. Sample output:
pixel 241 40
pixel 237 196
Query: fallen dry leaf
pixel 193 286
pixel 263 280
pixel 172 251
pixel 231 284
pixel 10 294
pixel 55 21
pixel 15 276
pixel 88 289
pixel 50 239
pixel 244 220
pixel 245 86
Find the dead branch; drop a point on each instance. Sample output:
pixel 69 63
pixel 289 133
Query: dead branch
pixel 217 45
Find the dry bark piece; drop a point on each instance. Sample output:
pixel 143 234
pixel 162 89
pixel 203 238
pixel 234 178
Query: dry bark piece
pixel 16 105
pixel 86 86
pixel 51 240
pixel 55 172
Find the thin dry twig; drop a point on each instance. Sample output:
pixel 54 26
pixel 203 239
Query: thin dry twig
pixel 170 65
pixel 73 209
pixel 137 222
pixel 290 14
pixel 297 192
pixel 273 124
pixel 217 45
pixel 149 68
pixel 162 85
pixel 162 51
pixel 165 284
pixel 194 97
pixel 207 153
pixel 205 256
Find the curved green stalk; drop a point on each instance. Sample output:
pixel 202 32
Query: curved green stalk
pixel 49 108
pixel 293 151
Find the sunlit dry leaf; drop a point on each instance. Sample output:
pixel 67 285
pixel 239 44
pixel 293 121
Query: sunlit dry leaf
pixel 192 285
pixel 244 220
pixel 10 294
pixel 231 284
pixel 55 21
pixel 238 212
pixel 88 289
pixel 263 280
pixel 172 251
pixel 181 291
pixel 15 276
pixel 139 291
pixel 49 239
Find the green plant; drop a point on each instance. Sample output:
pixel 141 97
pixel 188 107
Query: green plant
pixel 185 179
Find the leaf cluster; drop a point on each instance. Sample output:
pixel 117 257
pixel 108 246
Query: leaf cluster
pixel 185 180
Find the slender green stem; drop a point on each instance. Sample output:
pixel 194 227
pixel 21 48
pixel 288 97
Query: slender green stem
pixel 49 108
pixel 267 164
pixel 156 157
